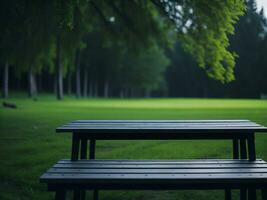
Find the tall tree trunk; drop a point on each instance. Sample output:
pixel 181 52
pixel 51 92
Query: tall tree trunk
pixel 106 89
pixel 78 74
pixel 91 89
pixel 95 89
pixel 5 81
pixel 55 85
pixel 59 75
pixel 69 82
pixel 147 93
pixel 85 82
pixel 39 88
pixel 30 83
pixel 121 93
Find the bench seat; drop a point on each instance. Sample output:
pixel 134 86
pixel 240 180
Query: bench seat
pixel 156 174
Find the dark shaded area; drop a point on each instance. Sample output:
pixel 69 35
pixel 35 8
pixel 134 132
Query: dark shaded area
pixel 109 66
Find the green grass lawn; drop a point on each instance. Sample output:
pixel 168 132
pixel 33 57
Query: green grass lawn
pixel 29 144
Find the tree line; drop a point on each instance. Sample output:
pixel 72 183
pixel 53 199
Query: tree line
pixel 113 48
pixel 250 44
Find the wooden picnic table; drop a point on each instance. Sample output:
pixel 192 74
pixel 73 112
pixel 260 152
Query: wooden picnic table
pixel 241 132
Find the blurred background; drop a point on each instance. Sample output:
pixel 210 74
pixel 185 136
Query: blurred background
pixel 105 50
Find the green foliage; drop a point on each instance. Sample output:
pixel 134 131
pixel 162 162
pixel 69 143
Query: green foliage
pixel 204 33
pixel 31 31
pixel 144 71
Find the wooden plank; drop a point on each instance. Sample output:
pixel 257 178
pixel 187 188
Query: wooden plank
pixel 148 126
pixel 82 178
pixel 162 124
pixel 161 128
pixel 156 121
pixel 167 162
pixel 182 166
pixel 157 171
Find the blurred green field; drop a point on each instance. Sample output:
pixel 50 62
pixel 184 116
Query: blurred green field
pixel 29 144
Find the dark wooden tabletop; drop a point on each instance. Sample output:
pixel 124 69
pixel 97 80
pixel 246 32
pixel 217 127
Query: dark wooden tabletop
pixel 130 128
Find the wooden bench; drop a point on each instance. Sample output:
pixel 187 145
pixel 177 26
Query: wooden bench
pixel 81 175
pixel 85 133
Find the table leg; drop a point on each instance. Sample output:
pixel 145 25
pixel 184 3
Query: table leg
pixel 243 148
pixel 77 194
pixel 243 194
pixel 83 194
pixel 252 195
pixel 83 155
pixel 95 195
pixel 75 147
pixel 227 194
pixel 92 149
pixel 83 148
pixel 60 195
pixel 235 149
pixel 92 156
pixel 251 147
pixel 264 193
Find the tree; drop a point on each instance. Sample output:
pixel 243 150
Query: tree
pixel 250 43
pixel 143 72
pixel 203 28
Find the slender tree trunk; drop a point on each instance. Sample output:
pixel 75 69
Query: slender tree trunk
pixel 32 84
pixel 39 88
pixel 5 81
pixel 55 85
pixel 121 93
pixel 18 86
pixel 69 82
pixel 85 82
pixel 78 74
pixel 91 89
pixel 59 76
pixel 147 93
pixel 95 89
pixel 106 89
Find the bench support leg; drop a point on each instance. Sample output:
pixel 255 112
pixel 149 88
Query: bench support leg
pixel 60 195
pixel 252 194
pixel 75 147
pixel 243 194
pixel 95 195
pixel 92 149
pixel 77 194
pixel 243 148
pixel 92 156
pixel 251 147
pixel 83 195
pixel 83 148
pixel 235 149
pixel 264 193
pixel 227 194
